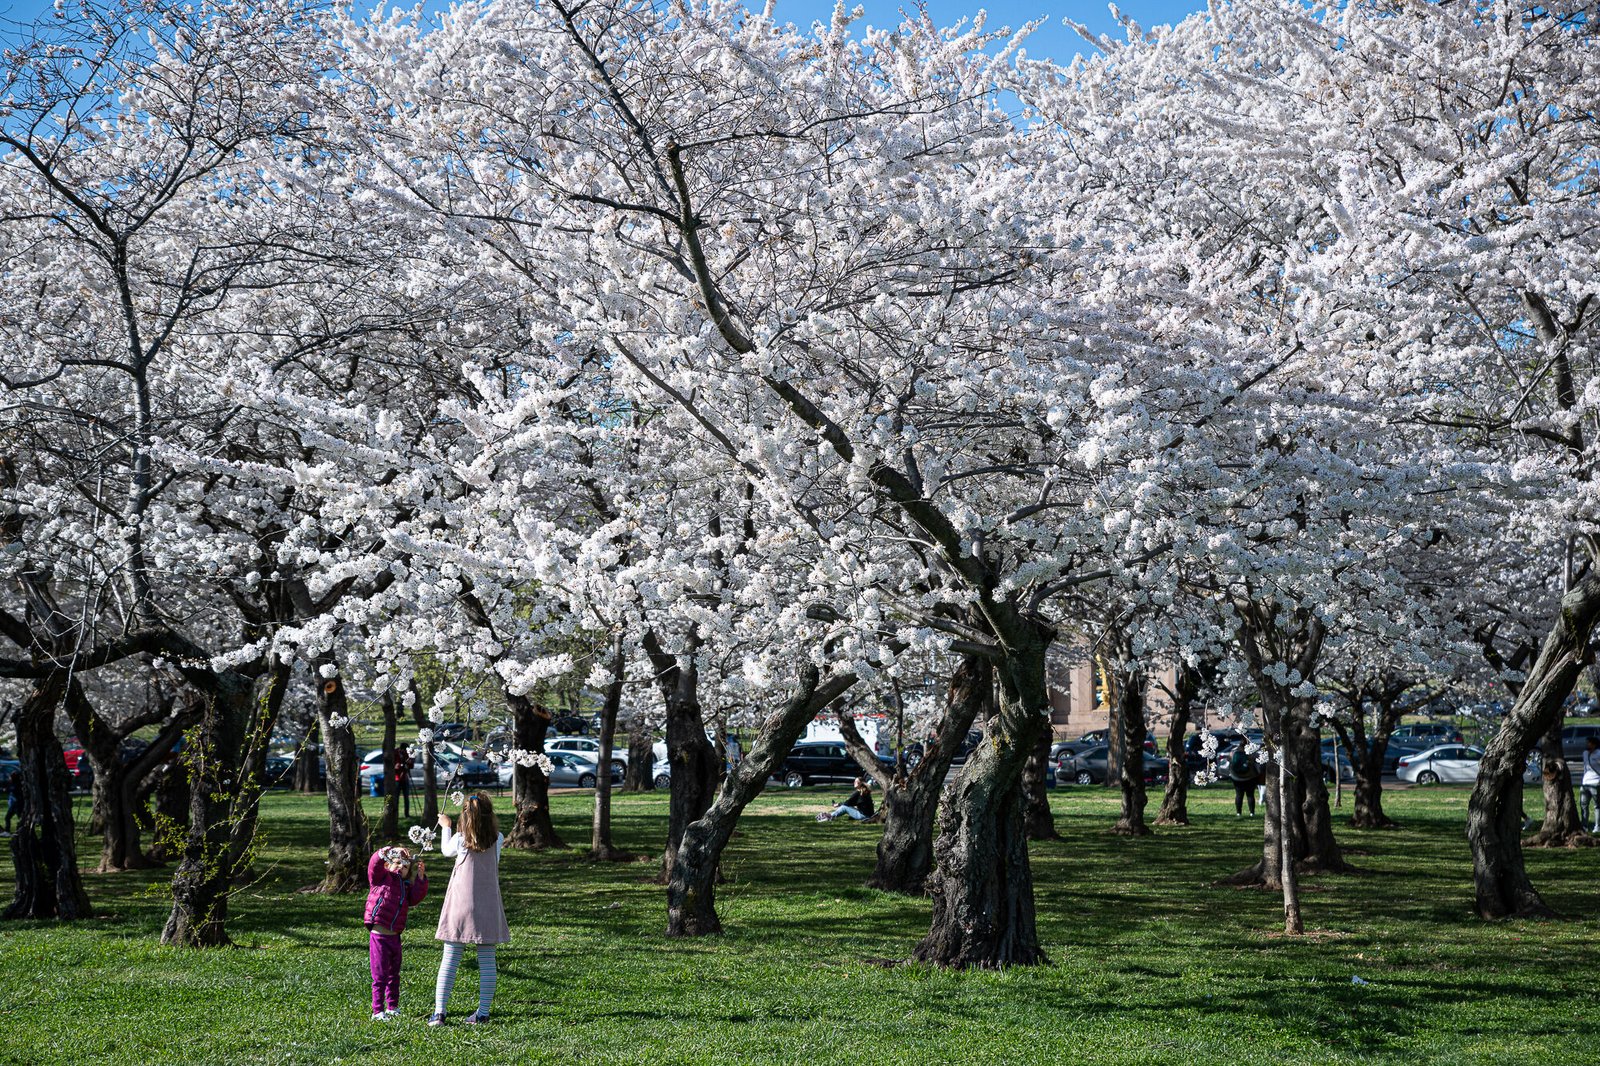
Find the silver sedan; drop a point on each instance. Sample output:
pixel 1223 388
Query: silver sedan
pixel 1443 762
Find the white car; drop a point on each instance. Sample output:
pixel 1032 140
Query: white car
pixel 1444 762
pixel 590 747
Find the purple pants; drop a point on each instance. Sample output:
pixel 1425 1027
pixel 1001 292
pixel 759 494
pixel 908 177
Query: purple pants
pixel 385 952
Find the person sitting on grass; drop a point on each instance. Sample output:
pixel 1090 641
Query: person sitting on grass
pixel 399 881
pixel 858 807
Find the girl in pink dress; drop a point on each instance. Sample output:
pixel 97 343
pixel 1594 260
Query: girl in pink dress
pixel 472 912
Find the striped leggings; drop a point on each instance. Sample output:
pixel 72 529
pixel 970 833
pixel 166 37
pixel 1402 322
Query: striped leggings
pixel 447 976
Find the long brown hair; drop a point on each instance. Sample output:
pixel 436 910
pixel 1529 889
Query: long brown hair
pixel 479 827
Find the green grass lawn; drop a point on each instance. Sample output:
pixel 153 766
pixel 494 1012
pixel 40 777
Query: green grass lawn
pixel 1149 962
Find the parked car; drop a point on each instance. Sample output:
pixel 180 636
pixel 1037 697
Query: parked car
pixel 1446 762
pixel 1088 767
pixel 590 746
pixel 569 725
pixel 1422 734
pixel 1574 738
pixel 473 773
pixel 576 769
pixel 662 774
pixel 280 771
pixel 812 761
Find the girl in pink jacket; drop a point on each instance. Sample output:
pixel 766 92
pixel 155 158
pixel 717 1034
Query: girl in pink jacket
pixel 399 881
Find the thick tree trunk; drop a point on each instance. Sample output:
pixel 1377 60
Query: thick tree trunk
pixel 693 762
pixel 691 886
pixel 1175 800
pixel 600 846
pixel 905 851
pixel 389 825
pixel 1368 791
pixel 43 849
pixel 1130 695
pixel 172 798
pixel 1367 754
pixel 982 887
pixel 214 761
pixel 108 817
pixel 530 788
pixel 640 775
pixel 307 775
pixel 1037 822
pixel 1562 827
pixel 349 836
pixel 1494 823
pixel 122 849
pixel 1318 850
pixel 1310 829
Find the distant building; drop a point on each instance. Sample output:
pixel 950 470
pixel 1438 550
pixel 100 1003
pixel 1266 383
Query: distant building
pixel 1077 695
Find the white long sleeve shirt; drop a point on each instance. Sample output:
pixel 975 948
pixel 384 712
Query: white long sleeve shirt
pixel 1591 766
pixel 453 845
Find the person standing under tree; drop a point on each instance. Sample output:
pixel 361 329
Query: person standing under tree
pixel 401 762
pixel 1590 787
pixel 1244 773
pixel 472 912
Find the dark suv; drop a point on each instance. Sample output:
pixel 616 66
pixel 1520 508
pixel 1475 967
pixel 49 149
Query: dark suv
pixel 1574 738
pixel 811 761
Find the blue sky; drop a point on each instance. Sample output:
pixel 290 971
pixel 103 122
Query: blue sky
pixel 1052 40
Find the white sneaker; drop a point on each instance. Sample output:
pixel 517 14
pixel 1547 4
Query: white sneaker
pixel 392 1013
pixel 381 1016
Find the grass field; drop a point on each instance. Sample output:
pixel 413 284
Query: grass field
pixel 1149 962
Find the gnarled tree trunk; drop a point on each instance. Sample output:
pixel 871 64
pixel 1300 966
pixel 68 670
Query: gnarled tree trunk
pixel 1037 821
pixel 1367 753
pixel 641 773
pixel 693 761
pixel 43 849
pixel 530 788
pixel 349 837
pixel 122 849
pixel 1562 827
pixel 221 804
pixel 1494 822
pixel 1297 834
pixel 116 783
pixel 600 846
pixel 691 884
pixel 1131 684
pixel 1175 800
pixel 307 772
pixel 982 887
pixel 905 851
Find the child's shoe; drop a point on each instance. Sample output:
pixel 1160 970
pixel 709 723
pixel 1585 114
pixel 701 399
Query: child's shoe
pixel 477 1017
pixel 392 1013
pixel 437 1018
pixel 382 1016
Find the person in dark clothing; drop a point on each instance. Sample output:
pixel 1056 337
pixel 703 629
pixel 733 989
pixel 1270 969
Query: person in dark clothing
pixel 858 807
pixel 1244 773
pixel 13 796
pixel 401 760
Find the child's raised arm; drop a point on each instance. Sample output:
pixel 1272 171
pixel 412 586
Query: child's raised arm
pixel 375 864
pixel 418 887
